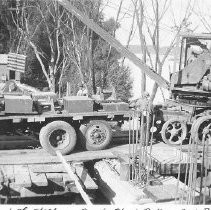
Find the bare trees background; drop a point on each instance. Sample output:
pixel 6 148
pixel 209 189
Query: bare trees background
pixel 60 49
pixel 150 17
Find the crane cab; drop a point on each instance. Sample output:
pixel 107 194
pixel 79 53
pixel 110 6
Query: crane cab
pixel 191 79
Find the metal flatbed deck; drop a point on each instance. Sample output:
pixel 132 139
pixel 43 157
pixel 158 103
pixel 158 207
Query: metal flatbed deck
pixel 75 116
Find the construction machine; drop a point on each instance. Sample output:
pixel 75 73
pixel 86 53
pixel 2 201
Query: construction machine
pixel 190 86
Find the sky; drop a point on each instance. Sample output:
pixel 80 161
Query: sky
pixel 174 15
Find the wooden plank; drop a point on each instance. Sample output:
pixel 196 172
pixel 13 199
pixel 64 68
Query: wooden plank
pixel 22 176
pixel 170 180
pixel 55 177
pixel 39 156
pixel 56 181
pixel 162 193
pixel 165 159
pixel 47 168
pixel 84 176
pixel 38 179
pixel 58 168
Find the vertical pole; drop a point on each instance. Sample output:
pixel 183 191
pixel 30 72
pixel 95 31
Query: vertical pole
pixel 129 146
pixel 133 148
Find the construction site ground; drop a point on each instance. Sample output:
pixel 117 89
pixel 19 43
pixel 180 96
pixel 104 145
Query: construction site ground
pixel 32 172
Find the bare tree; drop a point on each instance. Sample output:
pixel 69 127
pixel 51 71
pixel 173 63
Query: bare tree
pixel 114 34
pixel 203 16
pixel 49 18
pixel 139 13
pixel 80 47
pixel 149 17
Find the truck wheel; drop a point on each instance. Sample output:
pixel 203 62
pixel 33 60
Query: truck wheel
pixel 174 132
pixel 58 135
pixel 95 135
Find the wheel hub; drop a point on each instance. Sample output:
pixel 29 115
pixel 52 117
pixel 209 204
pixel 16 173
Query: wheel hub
pixel 59 139
pixel 174 132
pixel 97 136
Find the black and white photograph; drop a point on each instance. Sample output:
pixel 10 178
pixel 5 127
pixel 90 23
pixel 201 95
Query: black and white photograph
pixel 105 104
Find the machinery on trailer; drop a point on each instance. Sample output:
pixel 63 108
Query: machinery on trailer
pixel 190 90
pixel 26 110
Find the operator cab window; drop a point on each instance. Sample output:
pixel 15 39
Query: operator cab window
pixel 191 48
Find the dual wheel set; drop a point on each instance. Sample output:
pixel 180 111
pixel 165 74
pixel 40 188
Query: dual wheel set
pixel 175 131
pixel 97 134
pixel 60 135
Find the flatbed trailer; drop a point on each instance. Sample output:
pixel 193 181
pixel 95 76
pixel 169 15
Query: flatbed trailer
pixel 73 116
pixel 62 130
pixel 59 123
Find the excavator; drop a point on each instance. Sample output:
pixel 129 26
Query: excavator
pixel 188 111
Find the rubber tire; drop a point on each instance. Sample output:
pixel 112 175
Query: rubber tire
pixel 83 135
pixel 164 127
pixel 52 126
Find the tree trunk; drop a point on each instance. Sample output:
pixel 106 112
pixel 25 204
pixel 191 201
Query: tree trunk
pixel 155 87
pixel 143 83
pixel 41 63
pixel 140 22
pixel 91 66
pixel 52 79
pixel 68 89
pixel 158 66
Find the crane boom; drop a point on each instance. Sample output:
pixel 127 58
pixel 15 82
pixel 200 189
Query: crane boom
pixel 115 43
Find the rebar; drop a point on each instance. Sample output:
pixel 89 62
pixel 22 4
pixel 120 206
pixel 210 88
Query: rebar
pixel 202 168
pixel 150 152
pixel 187 166
pixel 206 171
pixel 129 127
pixel 178 176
